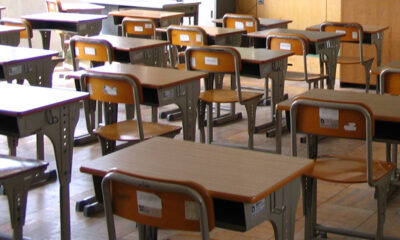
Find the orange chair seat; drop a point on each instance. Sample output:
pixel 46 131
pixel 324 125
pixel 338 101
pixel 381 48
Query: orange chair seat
pixel 299 76
pixel 226 96
pixel 346 170
pixel 351 60
pixel 127 130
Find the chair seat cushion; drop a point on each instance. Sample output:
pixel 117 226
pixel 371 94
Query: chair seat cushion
pixel 351 60
pixel 226 96
pixel 299 76
pixel 347 170
pixel 127 130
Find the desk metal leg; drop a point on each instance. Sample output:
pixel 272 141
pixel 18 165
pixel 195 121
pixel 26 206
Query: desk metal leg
pixel 377 39
pixel 283 205
pixel 330 49
pixel 147 232
pixel 45 38
pixel 61 134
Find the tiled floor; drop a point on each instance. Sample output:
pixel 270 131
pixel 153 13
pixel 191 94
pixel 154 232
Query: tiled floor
pixel 350 206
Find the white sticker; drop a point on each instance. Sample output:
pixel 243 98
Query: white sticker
pixel 193 62
pixel 239 25
pixel 76 51
pixel 198 38
pixel 328 118
pixel 110 90
pixel 351 126
pixel 211 61
pixel 354 35
pixel 89 51
pixel 341 31
pixel 249 24
pixel 138 29
pixel 149 204
pixel 184 38
pixel 258 207
pixel 192 210
pixel 148 25
pixel 15 70
pixel 52 7
pixel 285 46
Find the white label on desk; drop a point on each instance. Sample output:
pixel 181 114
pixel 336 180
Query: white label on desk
pixel 184 38
pixel 354 35
pixel 258 207
pixel 198 38
pixel 193 62
pixel 149 204
pixel 76 51
pixel 192 210
pixel 89 51
pixel 110 90
pixel 138 28
pixel 249 24
pixel 148 25
pixel 211 61
pixel 328 118
pixel 341 31
pixel 15 70
pixel 285 46
pixel 351 127
pixel 239 25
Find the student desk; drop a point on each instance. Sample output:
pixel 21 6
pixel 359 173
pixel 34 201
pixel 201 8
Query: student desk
pixel 216 35
pixel 163 86
pixel 320 43
pixel 384 107
pixel 190 8
pixel 372 35
pixel 16 176
pixel 263 63
pixel 9 35
pixel 52 112
pixel 80 24
pixel 248 187
pixel 161 18
pixel 137 50
pixel 77 7
pixel 32 64
pixel 265 23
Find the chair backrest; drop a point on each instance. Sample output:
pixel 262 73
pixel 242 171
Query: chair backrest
pixel 241 21
pixel 112 88
pixel 354 33
pixel 54 5
pixel 94 50
pixel 168 204
pixel 212 59
pixel 27 33
pixel 138 27
pixel 181 37
pixel 389 81
pixel 333 119
pixel 295 42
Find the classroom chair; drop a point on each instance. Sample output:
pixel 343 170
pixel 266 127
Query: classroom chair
pixel 389 83
pixel 184 206
pixel 138 27
pixel 26 34
pixel 242 21
pixel 180 37
pixel 343 120
pixel 111 90
pixel 354 35
pixel 298 44
pixel 217 60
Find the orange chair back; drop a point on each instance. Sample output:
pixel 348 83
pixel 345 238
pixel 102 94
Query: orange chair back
pixel 239 21
pixel 141 27
pixel 391 78
pixel 92 49
pixel 187 35
pixel 352 30
pixel 296 43
pixel 54 5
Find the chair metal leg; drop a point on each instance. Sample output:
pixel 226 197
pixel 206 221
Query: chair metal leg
pixel 201 108
pixel 309 186
pixel 209 123
pixel 367 68
pixel 251 108
pixel 381 190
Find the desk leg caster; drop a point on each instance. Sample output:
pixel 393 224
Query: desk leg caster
pixel 165 114
pixel 174 116
pixel 80 205
pixel 93 209
pixel 84 140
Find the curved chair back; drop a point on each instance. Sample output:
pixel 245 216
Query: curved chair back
pixel 241 21
pixel 389 80
pixel 138 27
pixel 54 5
pixel 334 119
pixel 178 205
